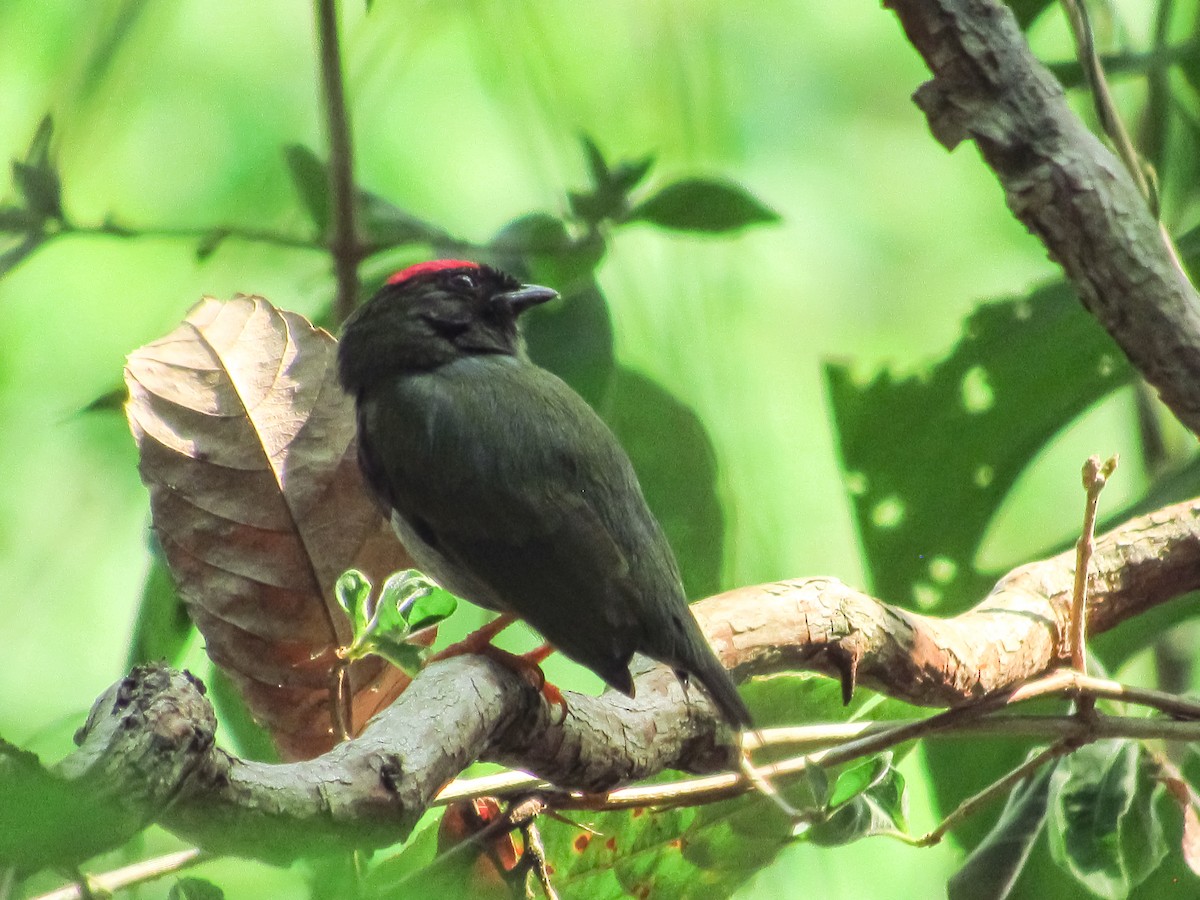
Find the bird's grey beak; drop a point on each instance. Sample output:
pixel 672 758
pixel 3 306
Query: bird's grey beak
pixel 527 295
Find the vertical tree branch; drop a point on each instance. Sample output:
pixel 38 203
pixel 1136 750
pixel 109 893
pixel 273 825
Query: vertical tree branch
pixel 343 233
pixel 1063 184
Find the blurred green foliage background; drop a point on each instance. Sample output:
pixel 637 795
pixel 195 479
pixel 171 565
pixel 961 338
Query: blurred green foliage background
pixel 170 118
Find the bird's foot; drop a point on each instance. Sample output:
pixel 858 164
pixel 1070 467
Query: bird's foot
pixel 529 666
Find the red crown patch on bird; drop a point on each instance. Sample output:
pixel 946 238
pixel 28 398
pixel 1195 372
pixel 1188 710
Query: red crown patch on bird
pixel 433 265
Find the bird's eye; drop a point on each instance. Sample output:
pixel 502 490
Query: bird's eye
pixel 463 281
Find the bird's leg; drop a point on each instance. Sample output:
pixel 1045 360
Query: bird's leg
pixel 538 656
pixel 478 641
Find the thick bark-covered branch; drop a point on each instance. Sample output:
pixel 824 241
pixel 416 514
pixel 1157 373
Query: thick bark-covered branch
pixel 371 791
pixel 1062 183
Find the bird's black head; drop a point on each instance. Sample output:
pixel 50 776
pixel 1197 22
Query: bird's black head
pixel 431 314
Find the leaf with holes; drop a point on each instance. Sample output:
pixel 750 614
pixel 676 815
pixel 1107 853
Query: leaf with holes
pixel 663 853
pixel 712 849
pixel 1021 372
pixel 246 444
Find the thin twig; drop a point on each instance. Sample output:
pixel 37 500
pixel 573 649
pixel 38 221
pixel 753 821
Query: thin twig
pixel 1130 63
pixel 138 873
pixel 343 236
pixel 1111 121
pixel 535 852
pixel 1069 682
pixel 523 816
pixel 232 232
pixel 1155 117
pixel 851 741
pixel 342 701
pixel 1095 476
pixel 978 801
pixel 1106 109
pixel 763 785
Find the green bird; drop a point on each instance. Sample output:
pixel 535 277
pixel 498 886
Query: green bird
pixel 505 486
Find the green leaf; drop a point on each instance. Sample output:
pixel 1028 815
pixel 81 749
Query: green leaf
pixel 382 222
pixel 597 167
pixel 792 698
pixel 399 592
pixel 248 739
pixel 539 247
pixel 163 628
pixel 41 189
pixel 629 173
pixel 1027 11
pixel 13 257
pixel 609 197
pixel 775 701
pixel 591 208
pixel 677 467
pixel 431 609
pixel 195 889
pixel 401 654
pixel 992 868
pixel 422 869
pixel 44 819
pixel 38 154
pixel 876 809
pixel 210 242
pixel 572 337
pixel 411 862
pixel 859 777
pixel 18 219
pixel 387 225
pixel 408 602
pixel 1105 830
pixel 352 590
pixel 705 205
pixel 1021 372
pixel 667 853
pixel 36 178
pixel 311 179
pixel 625 175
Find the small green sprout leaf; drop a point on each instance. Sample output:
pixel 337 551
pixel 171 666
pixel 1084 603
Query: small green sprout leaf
pixel 387 625
pixel 353 594
pixel 431 609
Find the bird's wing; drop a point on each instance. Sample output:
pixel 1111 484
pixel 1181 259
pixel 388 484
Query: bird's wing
pixel 543 506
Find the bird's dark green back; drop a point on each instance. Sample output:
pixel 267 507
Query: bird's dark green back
pixel 549 524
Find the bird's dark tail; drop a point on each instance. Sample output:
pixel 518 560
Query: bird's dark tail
pixel 719 686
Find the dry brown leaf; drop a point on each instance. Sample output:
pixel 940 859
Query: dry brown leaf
pixel 246 443
pixel 1179 789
